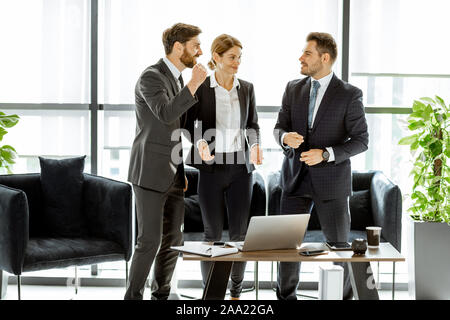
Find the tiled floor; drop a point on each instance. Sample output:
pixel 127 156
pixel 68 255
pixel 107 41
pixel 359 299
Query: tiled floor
pixel 37 292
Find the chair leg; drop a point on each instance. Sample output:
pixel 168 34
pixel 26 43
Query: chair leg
pixel 76 280
pixel 126 274
pixel 18 288
pixel 256 281
pixel 94 270
pixel 378 276
pixel 271 275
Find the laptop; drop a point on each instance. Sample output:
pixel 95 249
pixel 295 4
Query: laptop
pixel 274 232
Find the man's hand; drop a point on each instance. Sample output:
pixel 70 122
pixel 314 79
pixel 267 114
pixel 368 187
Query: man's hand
pixel 312 157
pixel 185 184
pixel 256 155
pixel 293 139
pixel 203 150
pixel 199 74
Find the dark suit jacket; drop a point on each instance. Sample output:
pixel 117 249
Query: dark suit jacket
pixel 340 123
pixel 159 107
pixel 205 111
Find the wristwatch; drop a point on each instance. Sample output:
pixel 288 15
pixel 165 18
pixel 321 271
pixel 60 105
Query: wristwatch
pixel 325 155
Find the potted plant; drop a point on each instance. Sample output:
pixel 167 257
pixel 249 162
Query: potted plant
pixel 429 223
pixel 7 156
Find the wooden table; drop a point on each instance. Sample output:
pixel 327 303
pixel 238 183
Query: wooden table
pixel 217 281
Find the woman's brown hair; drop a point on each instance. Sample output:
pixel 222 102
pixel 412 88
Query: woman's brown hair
pixel 220 45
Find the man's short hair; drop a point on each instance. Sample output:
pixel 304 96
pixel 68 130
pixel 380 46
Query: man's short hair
pixel 324 44
pixel 180 32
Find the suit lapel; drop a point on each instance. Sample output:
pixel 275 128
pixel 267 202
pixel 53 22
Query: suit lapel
pixel 304 103
pixel 243 106
pixel 326 101
pixel 166 71
pixel 210 108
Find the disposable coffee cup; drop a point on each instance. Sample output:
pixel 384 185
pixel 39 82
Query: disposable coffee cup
pixel 373 236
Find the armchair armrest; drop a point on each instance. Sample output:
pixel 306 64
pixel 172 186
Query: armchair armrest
pixel 386 202
pixel 108 209
pixel 274 193
pixel 14 234
pixel 258 203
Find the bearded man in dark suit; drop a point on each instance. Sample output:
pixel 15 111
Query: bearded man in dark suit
pixel 321 125
pixel 156 172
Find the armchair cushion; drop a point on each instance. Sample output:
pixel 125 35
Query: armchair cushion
pixel 107 207
pixel 361 213
pixel 62 189
pixel 49 253
pixel 192 214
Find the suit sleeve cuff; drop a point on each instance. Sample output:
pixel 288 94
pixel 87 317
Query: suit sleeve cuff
pixel 282 139
pixel 331 152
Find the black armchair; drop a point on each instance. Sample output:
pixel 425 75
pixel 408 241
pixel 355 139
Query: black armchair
pixel 26 244
pixel 375 201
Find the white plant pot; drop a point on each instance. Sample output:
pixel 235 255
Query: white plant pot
pixel 428 260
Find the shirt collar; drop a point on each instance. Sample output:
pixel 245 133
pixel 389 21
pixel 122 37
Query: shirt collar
pixel 175 72
pixel 215 84
pixel 325 81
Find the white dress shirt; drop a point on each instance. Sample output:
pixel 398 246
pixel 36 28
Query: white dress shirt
pixel 228 117
pixel 324 82
pixel 175 72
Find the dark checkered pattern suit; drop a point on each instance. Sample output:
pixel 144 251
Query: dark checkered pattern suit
pixel 340 123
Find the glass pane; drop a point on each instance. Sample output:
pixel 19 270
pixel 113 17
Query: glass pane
pixel 273 37
pixel 118 135
pixel 394 50
pixel 45 51
pixel 49 133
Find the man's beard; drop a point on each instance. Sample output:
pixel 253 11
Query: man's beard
pixel 312 70
pixel 187 59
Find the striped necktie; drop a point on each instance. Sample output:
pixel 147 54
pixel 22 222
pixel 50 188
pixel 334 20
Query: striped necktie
pixel 312 101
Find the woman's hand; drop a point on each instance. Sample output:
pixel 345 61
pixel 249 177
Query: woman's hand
pixel 203 150
pixel 256 154
pixel 185 184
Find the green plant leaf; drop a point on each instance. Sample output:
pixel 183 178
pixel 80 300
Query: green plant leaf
pixel 416 125
pixel 408 140
pixel 418 114
pixel 9 121
pixel 8 154
pixel 418 106
pixel 429 100
pixel 441 102
pixel 2 133
pixel 426 114
pixel 436 148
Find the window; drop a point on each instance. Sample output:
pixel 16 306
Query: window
pixel 273 37
pixel 49 133
pixel 395 48
pixel 45 51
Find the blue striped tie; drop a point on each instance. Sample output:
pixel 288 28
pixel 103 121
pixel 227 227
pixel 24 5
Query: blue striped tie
pixel 312 101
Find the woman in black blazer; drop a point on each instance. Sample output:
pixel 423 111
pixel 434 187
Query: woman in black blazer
pixel 226 146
